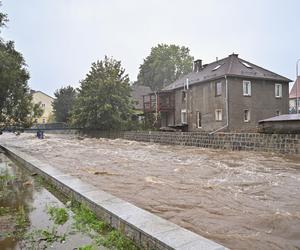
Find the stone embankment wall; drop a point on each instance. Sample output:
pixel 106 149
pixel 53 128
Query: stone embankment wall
pixel 278 143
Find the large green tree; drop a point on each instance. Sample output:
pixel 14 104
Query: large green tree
pixel 104 98
pixel 16 108
pixel 63 103
pixel 165 64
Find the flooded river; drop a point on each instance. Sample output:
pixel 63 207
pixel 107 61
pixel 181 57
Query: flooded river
pixel 243 200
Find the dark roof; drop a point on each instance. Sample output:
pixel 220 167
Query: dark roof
pixel 138 91
pixel 230 66
pixel 289 117
pixel 293 93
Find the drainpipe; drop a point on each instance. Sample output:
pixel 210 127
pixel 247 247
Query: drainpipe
pixel 156 108
pixel 227 108
pixel 297 106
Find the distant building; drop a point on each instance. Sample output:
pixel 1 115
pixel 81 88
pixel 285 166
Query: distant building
pixel 46 104
pixel 227 94
pixel 284 124
pixel 293 96
pixel 137 94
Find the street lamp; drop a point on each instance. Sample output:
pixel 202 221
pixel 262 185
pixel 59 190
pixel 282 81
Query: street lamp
pixel 297 104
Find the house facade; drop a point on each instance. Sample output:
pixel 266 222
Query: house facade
pixel 46 104
pixel 228 94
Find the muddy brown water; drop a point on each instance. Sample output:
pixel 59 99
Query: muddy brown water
pixel 25 192
pixel 243 200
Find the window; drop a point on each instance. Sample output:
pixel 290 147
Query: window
pixel 278 90
pixel 44 120
pixel 218 114
pixel 43 105
pixel 246 88
pixel 278 112
pixel 35 120
pixel 247 65
pixel 215 68
pixel 246 115
pixel 218 88
pixel 199 120
pixel 183 116
pixel 183 96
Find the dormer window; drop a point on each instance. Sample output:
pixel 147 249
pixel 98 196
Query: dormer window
pixel 246 65
pixel 215 68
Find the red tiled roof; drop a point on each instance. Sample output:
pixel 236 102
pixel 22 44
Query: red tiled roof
pixel 293 93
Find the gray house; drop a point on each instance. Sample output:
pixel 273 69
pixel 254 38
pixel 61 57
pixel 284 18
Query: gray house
pixel 228 94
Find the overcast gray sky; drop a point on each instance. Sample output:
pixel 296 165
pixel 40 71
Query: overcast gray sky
pixel 61 38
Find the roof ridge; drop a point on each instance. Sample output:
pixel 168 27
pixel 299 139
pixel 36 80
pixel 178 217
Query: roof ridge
pixel 262 68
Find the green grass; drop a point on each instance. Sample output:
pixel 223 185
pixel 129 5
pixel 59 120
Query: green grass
pixel 4 211
pixel 87 247
pixel 86 220
pixel 59 215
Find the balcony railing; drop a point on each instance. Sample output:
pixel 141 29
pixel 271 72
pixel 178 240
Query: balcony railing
pixel 165 102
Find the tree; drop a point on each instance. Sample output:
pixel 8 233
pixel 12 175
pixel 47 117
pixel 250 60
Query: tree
pixel 104 98
pixel 16 108
pixel 63 103
pixel 164 65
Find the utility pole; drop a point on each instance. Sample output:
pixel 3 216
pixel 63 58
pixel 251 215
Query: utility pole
pixel 296 82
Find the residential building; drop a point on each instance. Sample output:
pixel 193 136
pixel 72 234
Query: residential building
pixel 137 93
pixel 46 104
pixel 294 95
pixel 228 94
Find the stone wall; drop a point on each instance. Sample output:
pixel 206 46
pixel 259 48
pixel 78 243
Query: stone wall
pixel 279 143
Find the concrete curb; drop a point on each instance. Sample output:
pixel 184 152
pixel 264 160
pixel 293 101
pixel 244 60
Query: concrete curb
pixel 146 229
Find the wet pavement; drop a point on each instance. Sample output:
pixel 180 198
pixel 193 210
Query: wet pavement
pixel 243 200
pixel 23 191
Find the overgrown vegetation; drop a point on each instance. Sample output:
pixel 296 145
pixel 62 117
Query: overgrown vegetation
pixel 165 64
pixel 86 221
pixel 43 238
pixel 63 103
pixel 104 97
pixel 58 215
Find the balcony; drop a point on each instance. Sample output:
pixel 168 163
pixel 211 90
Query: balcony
pixel 165 102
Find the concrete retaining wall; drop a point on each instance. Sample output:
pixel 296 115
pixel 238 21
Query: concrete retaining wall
pixel 147 230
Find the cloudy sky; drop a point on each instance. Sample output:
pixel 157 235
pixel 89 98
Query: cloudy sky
pixel 61 38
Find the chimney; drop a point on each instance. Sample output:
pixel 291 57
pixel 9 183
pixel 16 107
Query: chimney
pixel 197 65
pixel 233 54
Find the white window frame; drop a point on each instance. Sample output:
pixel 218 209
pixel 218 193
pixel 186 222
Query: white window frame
pixel 183 116
pixel 216 90
pixel 246 90
pixel 218 115
pixel 199 116
pixel 279 86
pixel 247 119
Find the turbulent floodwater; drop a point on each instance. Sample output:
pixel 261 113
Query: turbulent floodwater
pixel 243 200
